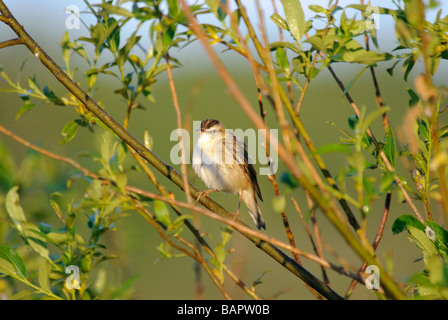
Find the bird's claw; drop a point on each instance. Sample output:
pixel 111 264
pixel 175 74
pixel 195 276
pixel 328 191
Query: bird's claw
pixel 203 193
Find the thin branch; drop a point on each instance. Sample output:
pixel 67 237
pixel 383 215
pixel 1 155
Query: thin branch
pixel 376 242
pixel 4 19
pixel 179 127
pixel 328 208
pixel 130 189
pixel 374 140
pixel 176 203
pixel 310 236
pixel 10 43
pixel 230 221
pixel 196 255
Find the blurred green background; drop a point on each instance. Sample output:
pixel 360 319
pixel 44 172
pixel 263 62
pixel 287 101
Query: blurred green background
pixel 199 88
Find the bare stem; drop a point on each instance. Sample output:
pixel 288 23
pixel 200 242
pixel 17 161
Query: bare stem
pixel 10 43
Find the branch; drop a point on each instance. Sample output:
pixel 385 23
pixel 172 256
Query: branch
pixel 375 142
pixel 10 43
pixel 376 242
pixel 327 206
pixel 143 210
pixel 155 161
pixel 175 203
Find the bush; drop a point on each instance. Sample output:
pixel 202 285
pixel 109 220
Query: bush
pixel 60 261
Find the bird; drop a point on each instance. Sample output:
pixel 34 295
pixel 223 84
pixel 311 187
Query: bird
pixel 222 162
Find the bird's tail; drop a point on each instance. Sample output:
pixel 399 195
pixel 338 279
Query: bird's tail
pixel 251 202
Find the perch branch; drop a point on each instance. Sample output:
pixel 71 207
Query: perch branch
pixel 155 161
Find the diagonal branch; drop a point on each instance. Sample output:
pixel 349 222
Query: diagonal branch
pixel 154 160
pixel 331 212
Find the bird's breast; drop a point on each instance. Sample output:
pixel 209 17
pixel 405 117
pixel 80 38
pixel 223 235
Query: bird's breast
pixel 227 177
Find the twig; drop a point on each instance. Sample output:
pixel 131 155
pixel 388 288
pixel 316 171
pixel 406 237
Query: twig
pixel 310 236
pixel 231 221
pixel 176 203
pixel 179 127
pixel 328 209
pixel 376 242
pixel 375 142
pixel 130 189
pixel 184 161
pixel 431 101
pixel 196 255
pixel 9 43
pixel 272 177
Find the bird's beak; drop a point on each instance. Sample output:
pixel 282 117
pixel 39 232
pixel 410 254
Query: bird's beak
pixel 199 130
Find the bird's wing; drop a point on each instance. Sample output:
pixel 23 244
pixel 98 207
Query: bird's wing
pixel 241 156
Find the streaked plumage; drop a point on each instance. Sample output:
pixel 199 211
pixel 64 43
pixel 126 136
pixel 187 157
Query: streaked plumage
pixel 221 160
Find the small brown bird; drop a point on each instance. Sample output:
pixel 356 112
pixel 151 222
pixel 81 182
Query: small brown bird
pixel 221 160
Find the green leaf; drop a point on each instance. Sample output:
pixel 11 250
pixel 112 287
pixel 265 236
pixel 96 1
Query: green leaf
pixel 220 252
pixel 65 44
pixel 57 238
pixel 32 235
pixel 317 43
pixel 22 295
pixel 380 10
pixel 408 65
pixel 280 44
pixel 173 8
pixel 179 221
pixel 438 272
pixel 295 18
pixel 389 146
pixel 441 235
pixel 405 221
pixel 13 260
pixel 403 33
pixel 282 59
pixel 259 278
pixel 162 213
pixel 124 52
pixel 421 240
pixel 288 179
pixel 32 82
pixel 413 97
pixel 213 5
pixel 82 52
pixel 226 234
pixel 49 93
pixel 317 8
pixel 44 275
pixel 221 14
pixel 69 131
pixel 279 203
pixel 25 108
pixel 363 56
pixel 13 207
pixel 390 70
pixel 279 21
pixel 118 10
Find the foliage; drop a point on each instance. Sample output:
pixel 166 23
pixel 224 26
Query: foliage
pixel 35 257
